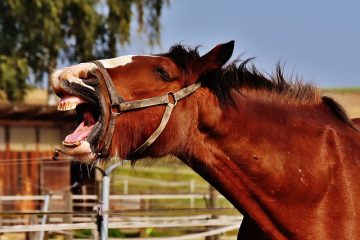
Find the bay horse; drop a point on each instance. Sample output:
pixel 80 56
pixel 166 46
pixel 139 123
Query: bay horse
pixel 286 157
pixel 356 121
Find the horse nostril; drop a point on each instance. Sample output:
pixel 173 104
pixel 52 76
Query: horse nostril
pixel 91 79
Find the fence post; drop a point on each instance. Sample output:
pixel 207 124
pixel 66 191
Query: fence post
pixel 192 191
pixel 44 218
pixel 126 186
pixel 33 220
pixel 103 211
pixel 68 217
pixel 105 207
pixel 213 203
pixel 144 205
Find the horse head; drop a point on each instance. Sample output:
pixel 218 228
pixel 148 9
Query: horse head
pixel 101 93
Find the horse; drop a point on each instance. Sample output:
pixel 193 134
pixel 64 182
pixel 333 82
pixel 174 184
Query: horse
pixel 284 155
pixel 356 121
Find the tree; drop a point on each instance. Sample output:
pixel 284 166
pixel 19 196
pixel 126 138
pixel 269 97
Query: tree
pixel 36 34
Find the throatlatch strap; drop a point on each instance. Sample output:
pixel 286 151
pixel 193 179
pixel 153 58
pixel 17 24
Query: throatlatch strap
pixel 165 119
pixel 166 116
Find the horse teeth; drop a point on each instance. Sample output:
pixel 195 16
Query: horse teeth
pixel 72 144
pixel 60 107
pixel 69 102
pixel 66 106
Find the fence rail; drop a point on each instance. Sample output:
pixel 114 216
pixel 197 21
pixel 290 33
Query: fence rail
pixel 123 219
pixel 128 211
pixel 122 225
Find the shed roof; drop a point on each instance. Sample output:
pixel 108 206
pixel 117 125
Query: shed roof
pixel 26 114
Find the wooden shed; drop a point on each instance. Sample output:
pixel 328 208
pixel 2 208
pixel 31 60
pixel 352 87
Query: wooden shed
pixel 28 136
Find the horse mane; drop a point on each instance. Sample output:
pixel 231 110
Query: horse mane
pixel 238 75
pixel 339 111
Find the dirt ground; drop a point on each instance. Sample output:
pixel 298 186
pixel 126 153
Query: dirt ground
pixel 349 100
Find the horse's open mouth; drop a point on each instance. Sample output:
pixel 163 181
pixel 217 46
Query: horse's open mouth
pixel 89 127
pixel 79 89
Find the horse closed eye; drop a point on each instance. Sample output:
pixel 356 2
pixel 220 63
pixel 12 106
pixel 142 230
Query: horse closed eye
pixel 163 74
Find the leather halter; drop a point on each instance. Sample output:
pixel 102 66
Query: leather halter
pixel 118 105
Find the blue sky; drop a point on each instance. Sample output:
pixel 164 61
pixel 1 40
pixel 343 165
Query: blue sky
pixel 316 40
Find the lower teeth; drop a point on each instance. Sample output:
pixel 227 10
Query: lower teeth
pixel 72 144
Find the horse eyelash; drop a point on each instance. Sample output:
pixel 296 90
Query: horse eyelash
pixel 163 74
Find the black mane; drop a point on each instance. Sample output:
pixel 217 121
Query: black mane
pixel 237 75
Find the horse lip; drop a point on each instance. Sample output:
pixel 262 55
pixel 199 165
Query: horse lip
pixel 94 135
pixel 78 90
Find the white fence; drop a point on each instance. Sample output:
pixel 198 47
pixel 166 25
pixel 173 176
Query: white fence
pixel 136 218
pixel 127 211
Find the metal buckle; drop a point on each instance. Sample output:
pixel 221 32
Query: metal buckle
pixel 115 109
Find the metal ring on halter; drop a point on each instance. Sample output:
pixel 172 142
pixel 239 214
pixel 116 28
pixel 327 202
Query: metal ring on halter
pixel 115 109
pixel 171 96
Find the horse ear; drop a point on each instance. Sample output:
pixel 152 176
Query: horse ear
pixel 214 59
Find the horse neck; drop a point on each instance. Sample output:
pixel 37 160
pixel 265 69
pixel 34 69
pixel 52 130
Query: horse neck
pixel 253 155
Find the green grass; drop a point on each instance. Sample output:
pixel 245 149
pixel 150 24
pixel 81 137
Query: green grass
pixel 342 90
pixel 141 177
pixel 144 178
pixel 166 169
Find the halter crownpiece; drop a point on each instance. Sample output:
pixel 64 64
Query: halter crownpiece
pixel 118 105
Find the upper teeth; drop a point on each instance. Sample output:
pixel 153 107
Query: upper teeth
pixel 65 106
pixel 69 103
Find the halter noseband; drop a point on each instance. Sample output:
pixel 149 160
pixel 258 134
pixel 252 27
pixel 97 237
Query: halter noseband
pixel 118 105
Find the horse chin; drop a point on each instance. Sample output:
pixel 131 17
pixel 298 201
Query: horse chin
pixel 82 153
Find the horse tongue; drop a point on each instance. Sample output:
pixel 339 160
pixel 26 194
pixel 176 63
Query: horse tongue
pixel 79 134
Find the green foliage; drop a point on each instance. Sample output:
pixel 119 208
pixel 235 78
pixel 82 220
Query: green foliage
pixel 84 233
pixel 12 79
pixel 116 233
pixel 36 34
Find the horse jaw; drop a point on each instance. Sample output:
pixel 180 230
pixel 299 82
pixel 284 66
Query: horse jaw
pixel 81 152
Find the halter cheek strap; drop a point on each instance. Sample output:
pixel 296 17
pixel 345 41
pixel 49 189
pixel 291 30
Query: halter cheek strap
pixel 118 105
pixel 106 87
